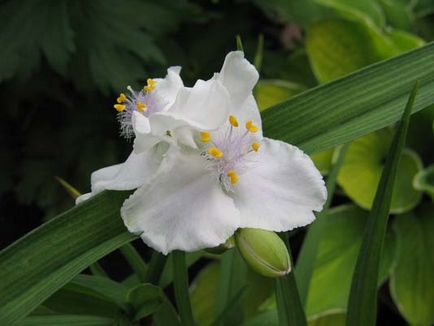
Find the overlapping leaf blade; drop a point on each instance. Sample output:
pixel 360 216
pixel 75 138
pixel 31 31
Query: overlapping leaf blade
pixel 355 105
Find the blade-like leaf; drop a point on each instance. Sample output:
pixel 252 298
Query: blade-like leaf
pixel 289 307
pixel 355 105
pixel 362 304
pixel 37 265
pixel 66 320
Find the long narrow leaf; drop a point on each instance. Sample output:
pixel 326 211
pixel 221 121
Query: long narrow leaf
pixel 180 283
pixel 47 258
pixel 306 258
pixel 355 105
pixel 289 308
pixel 362 305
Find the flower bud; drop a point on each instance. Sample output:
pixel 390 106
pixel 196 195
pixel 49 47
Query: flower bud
pixel 264 251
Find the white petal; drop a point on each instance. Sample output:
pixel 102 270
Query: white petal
pixel 168 87
pixel 282 189
pixel 203 107
pixel 135 171
pixel 249 110
pixel 184 208
pixel 239 76
pixel 144 140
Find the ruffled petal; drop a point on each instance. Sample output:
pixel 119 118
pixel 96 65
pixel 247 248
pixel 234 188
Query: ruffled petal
pixel 167 88
pixel 238 76
pixel 281 190
pixel 184 208
pixel 134 172
pixel 144 140
pixel 203 107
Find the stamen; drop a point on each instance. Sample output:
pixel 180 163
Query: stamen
pixel 151 85
pixel 255 146
pixel 205 136
pixel 233 121
pixel 122 98
pixel 233 176
pixel 119 107
pixel 141 106
pixel 251 127
pixel 214 151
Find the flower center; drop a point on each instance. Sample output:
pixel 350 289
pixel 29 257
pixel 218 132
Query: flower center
pixel 145 102
pixel 231 150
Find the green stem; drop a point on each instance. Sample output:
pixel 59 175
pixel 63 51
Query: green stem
pixel 306 258
pixel 289 308
pixel 155 268
pixel 97 270
pixel 135 261
pixel 180 283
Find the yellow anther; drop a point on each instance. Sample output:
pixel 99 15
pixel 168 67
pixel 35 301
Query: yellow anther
pixel 122 98
pixel 255 146
pixel 141 106
pixel 233 176
pixel 151 85
pixel 251 127
pixel 214 151
pixel 119 107
pixel 205 136
pixel 233 121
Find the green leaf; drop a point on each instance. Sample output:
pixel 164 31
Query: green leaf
pixel 271 92
pixel 289 306
pixel 362 168
pixel 29 28
pixel 398 13
pixel 356 105
pixel 146 299
pixel 328 320
pixel 135 261
pixel 203 294
pixel 66 320
pixel 37 265
pixel 339 47
pixel 309 249
pixel 114 291
pixel 412 281
pixel 362 304
pixel 405 41
pixel 180 284
pixel 424 181
pixel 341 234
pixel 366 11
pixel 323 160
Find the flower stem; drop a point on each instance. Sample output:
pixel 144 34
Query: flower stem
pixel 156 266
pixel 135 261
pixel 180 282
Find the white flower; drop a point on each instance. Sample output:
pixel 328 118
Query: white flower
pixel 163 113
pixel 226 179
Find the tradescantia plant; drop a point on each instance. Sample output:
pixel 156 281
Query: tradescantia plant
pixel 208 180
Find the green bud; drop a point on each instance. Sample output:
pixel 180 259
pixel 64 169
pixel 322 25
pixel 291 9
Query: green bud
pixel 264 251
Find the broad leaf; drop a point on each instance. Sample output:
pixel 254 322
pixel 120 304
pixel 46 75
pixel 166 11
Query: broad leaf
pixel 412 281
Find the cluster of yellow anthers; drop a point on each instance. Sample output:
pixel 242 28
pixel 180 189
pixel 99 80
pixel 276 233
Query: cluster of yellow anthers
pixel 120 106
pixel 218 154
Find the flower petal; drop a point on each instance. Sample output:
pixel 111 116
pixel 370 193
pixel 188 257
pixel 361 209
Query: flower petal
pixel 134 172
pixel 203 107
pixel 184 208
pixel 144 140
pixel 282 189
pixel 167 88
pixel 239 76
